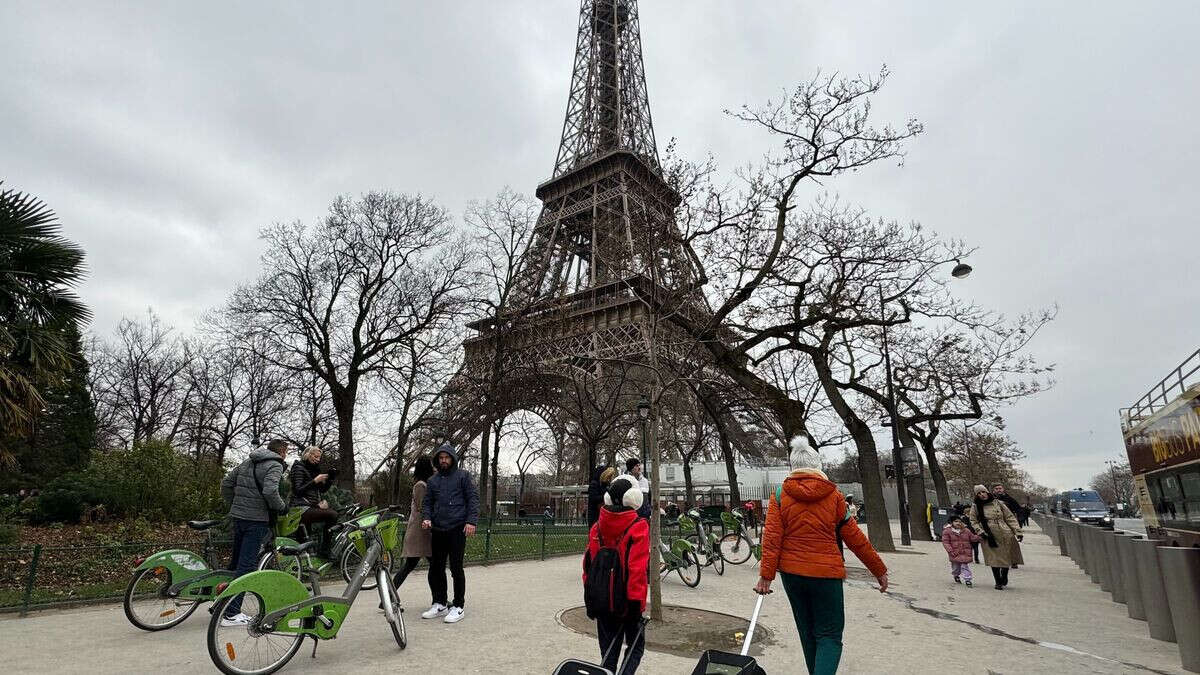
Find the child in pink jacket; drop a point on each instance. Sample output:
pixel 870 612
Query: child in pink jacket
pixel 956 539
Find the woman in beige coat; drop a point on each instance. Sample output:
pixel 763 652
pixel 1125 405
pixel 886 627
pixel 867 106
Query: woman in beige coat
pixel 1001 532
pixel 418 542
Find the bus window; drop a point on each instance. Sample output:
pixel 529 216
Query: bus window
pixel 1190 482
pixel 1172 502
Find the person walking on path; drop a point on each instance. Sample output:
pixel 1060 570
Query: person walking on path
pixel 958 540
pixel 418 541
pixel 805 524
pixel 450 509
pixel 308 486
pixel 618 560
pixel 1017 510
pixel 1002 535
pixel 595 494
pixel 251 491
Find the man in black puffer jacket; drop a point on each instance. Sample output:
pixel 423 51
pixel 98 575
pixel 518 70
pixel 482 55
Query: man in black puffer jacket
pixel 451 510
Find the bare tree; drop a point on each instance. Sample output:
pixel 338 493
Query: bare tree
pixel 979 455
pixel 140 382
pixel 340 298
pixel 1115 485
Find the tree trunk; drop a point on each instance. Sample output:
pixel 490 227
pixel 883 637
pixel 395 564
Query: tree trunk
pixel 879 530
pixel 935 470
pixel 735 493
pixel 656 610
pixel 918 526
pixel 495 465
pixel 483 466
pixel 689 495
pixel 343 407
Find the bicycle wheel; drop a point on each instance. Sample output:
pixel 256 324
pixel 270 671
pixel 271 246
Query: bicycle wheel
pixel 718 564
pixel 386 590
pixel 735 548
pixel 689 571
pixel 243 649
pixel 147 605
pixel 282 563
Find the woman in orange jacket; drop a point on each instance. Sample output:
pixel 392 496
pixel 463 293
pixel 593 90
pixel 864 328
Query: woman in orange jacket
pixel 800 541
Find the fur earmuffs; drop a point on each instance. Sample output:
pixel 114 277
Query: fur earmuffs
pixel 624 489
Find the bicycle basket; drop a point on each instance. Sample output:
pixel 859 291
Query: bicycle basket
pixel 713 662
pixel 730 521
pixel 389 531
pixel 356 537
pixel 686 524
pixel 287 524
pixel 680 546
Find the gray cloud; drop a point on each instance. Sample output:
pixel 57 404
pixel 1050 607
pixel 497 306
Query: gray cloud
pixel 1058 140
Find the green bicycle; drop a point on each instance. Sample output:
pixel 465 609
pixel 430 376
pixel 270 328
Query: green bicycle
pixel 703 541
pixel 281 611
pixel 168 586
pixel 680 557
pixel 737 546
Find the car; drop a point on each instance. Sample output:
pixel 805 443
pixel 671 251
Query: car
pixel 1084 506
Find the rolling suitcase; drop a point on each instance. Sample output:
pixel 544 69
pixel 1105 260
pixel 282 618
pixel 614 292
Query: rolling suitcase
pixel 577 667
pixel 714 662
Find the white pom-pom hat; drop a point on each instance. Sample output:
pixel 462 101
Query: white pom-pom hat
pixel 802 455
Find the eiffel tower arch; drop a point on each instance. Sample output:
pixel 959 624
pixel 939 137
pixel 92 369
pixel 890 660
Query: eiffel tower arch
pixel 604 250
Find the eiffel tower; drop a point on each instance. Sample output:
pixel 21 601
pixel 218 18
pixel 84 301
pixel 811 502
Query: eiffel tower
pixel 605 244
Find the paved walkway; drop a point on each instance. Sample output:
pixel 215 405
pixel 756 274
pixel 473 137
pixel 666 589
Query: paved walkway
pixel 1052 619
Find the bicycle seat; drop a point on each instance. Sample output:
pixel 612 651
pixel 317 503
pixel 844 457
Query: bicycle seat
pixel 297 550
pixel 203 524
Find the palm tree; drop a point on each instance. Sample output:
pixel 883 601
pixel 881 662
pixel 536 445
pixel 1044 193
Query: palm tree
pixel 38 267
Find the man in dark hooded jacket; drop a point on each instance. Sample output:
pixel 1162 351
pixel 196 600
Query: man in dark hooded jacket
pixel 450 510
pixel 595 495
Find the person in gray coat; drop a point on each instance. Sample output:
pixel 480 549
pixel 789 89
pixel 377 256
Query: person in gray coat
pixel 251 491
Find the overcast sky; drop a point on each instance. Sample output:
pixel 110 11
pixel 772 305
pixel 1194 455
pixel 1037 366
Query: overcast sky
pixel 1059 139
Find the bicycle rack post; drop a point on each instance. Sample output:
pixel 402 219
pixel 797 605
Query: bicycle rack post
pixel 543 540
pixel 37 555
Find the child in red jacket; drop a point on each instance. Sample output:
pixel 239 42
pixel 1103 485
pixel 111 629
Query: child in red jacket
pixel 957 539
pixel 620 527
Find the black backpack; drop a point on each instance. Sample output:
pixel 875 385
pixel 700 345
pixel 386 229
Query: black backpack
pixel 606 592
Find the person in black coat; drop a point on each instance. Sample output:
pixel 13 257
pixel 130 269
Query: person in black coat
pixel 308 488
pixel 595 495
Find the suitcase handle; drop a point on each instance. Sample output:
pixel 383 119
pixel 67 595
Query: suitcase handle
pixel 753 624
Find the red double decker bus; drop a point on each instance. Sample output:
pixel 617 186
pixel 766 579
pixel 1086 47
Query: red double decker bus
pixel 1162 439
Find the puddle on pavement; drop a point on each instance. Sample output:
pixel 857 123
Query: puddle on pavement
pixel 910 602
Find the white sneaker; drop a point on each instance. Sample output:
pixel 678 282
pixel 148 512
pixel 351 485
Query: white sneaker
pixel 455 615
pixel 238 619
pixel 435 611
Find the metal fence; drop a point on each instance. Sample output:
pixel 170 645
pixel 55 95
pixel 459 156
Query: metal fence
pixel 38 577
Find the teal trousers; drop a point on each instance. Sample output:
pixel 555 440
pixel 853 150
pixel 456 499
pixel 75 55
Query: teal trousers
pixel 818 609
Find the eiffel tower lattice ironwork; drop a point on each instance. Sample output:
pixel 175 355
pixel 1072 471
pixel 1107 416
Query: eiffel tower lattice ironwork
pixel 605 241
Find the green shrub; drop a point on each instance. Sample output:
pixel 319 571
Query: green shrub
pixel 9 534
pixel 150 481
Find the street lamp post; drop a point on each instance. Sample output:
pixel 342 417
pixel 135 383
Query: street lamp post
pixel 897 463
pixel 961 270
pixel 1112 476
pixel 643 411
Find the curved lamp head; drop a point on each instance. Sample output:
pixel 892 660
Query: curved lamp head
pixel 960 270
pixel 643 408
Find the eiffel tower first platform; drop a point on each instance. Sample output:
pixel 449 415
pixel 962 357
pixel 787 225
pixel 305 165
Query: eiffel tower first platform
pixel 604 250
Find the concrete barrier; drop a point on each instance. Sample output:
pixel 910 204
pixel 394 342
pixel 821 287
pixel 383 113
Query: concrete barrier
pixel 1154 595
pixel 1113 558
pixel 1129 574
pixel 1180 569
pixel 1079 552
pixel 1091 551
pixel 1058 526
pixel 1106 575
